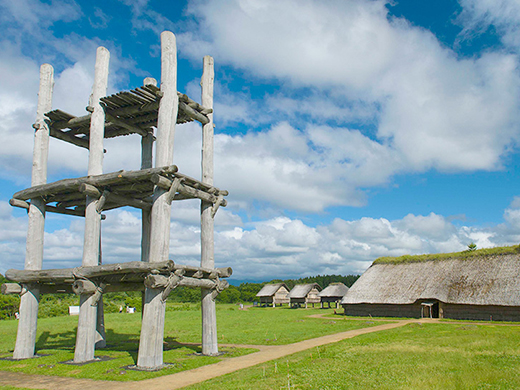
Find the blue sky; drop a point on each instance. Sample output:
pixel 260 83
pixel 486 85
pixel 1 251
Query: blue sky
pixel 345 131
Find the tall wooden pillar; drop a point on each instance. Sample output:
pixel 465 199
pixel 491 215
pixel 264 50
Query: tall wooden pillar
pixel 26 337
pixel 209 317
pixel 146 162
pixel 86 335
pixel 152 329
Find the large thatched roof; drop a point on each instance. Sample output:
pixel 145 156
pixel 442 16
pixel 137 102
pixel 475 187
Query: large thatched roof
pixel 475 280
pixel 270 289
pixel 301 290
pixel 334 290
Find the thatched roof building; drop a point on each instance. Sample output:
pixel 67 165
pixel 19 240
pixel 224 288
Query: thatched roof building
pixel 304 294
pixel 479 285
pixel 274 294
pixel 333 293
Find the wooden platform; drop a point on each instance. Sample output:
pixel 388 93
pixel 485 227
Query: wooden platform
pixel 127 112
pixel 129 276
pixel 118 189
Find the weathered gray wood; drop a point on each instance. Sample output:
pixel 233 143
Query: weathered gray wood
pixel 26 336
pixel 58 134
pixel 193 104
pixel 128 126
pixel 90 190
pixel 104 196
pixel 19 203
pixel 209 317
pixel 194 114
pixel 16 288
pixel 86 334
pixel 11 288
pixel 224 272
pixel 150 353
pixel 201 185
pixel 74 122
pixel 82 286
pixel 185 189
pixel 52 209
pixel 146 163
pixel 70 185
pixel 89 272
pixel 161 281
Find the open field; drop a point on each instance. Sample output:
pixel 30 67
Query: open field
pixel 256 326
pixel 429 355
pixel 416 356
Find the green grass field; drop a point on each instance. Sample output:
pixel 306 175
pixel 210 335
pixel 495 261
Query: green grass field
pixel 456 355
pixel 257 326
pixel 427 356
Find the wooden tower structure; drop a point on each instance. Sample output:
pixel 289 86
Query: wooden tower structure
pixel 151 189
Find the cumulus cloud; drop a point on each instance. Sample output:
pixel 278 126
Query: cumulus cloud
pixel 273 248
pixel 435 110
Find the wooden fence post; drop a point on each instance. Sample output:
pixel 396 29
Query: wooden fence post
pixel 26 337
pixel 209 318
pixel 152 329
pixel 86 334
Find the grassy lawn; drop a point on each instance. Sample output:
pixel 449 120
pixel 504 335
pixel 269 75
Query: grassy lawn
pixel 427 356
pixel 265 326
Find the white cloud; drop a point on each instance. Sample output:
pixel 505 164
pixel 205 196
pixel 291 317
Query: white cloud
pixel 278 247
pixel 478 15
pixel 436 111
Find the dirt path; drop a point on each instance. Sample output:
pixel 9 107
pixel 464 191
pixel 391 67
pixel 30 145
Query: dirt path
pixel 186 378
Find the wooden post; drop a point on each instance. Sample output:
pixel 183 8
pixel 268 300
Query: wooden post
pixel 209 318
pixel 86 334
pixel 152 329
pixel 146 162
pixel 26 337
pixel 101 337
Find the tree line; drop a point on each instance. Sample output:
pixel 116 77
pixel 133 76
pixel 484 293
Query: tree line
pixel 52 305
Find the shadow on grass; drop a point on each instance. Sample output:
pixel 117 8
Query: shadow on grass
pixel 116 342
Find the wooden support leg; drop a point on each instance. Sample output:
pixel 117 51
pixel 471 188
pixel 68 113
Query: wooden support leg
pixel 87 321
pixel 152 330
pixel 100 340
pixel 209 317
pixel 209 324
pixel 150 353
pixel 26 336
pixel 86 334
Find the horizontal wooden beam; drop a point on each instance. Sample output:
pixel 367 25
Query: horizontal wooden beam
pixel 114 273
pixel 15 288
pixel 71 139
pixel 123 124
pixel 185 189
pixel 161 281
pixel 193 114
pixel 51 209
pixel 70 185
pixel 118 200
pixel 70 274
pixel 71 123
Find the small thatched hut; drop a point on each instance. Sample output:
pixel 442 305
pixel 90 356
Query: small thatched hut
pixel 304 294
pixel 478 285
pixel 333 293
pixel 274 294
